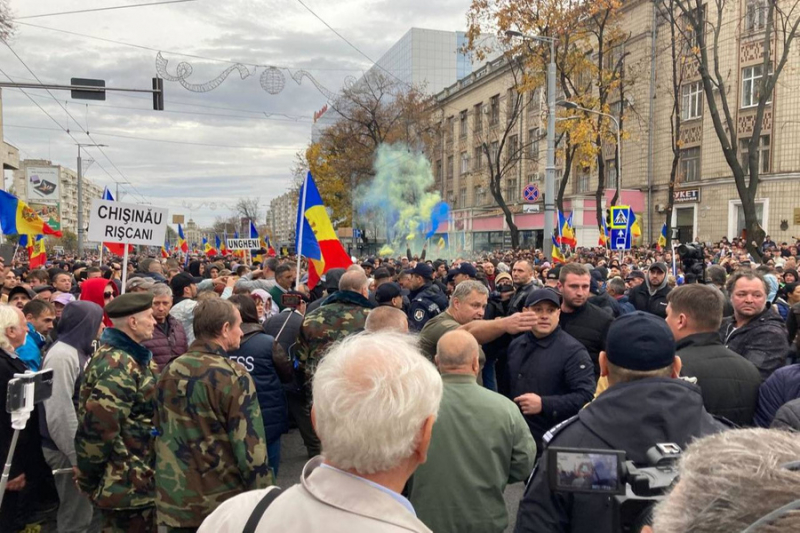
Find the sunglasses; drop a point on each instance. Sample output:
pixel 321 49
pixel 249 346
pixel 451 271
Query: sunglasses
pixel 108 295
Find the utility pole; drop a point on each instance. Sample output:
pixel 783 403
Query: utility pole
pixel 353 252
pixel 80 196
pixel 116 196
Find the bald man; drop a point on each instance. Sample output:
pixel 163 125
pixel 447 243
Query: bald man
pixel 480 444
pixel 386 318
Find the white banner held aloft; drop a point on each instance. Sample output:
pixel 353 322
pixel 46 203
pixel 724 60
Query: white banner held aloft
pixel 243 244
pixel 127 223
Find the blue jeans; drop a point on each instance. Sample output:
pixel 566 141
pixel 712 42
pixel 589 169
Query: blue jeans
pixel 274 457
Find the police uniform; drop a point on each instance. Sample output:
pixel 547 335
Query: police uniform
pixel 632 417
pixel 427 301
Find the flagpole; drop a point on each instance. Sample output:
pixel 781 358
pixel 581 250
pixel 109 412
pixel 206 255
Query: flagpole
pixel 124 268
pixel 301 212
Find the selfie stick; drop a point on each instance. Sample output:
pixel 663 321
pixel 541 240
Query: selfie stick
pixel 19 418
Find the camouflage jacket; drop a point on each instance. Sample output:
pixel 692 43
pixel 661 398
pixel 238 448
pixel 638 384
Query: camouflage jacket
pixel 340 314
pixel 114 443
pixel 210 444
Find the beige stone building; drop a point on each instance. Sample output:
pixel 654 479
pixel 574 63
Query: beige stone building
pixel 9 155
pixel 282 217
pixel 62 205
pixel 475 111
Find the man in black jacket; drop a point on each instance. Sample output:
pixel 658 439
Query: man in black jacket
pixel 651 296
pixel 581 319
pixel 644 405
pixel 551 373
pixel 729 382
pixel 522 275
pixel 755 331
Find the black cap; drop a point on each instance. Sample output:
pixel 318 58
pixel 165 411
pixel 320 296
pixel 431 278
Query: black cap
pixel 332 278
pixel 386 292
pixel 540 295
pixel 554 272
pixel 43 288
pixel 129 304
pixel 660 266
pixel 381 273
pixel 467 269
pixel 640 341
pixel 180 281
pixel 634 274
pixel 450 275
pixel 422 269
pixel 20 289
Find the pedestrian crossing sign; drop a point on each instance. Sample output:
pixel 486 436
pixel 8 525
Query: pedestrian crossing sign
pixel 620 216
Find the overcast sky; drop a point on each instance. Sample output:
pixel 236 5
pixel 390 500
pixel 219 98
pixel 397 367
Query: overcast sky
pixel 207 149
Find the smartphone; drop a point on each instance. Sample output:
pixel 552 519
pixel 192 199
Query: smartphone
pixel 593 471
pixel 291 300
pixel 42 389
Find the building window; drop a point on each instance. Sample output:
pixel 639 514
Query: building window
pixel 611 174
pixel 689 166
pixel 464 163
pixel 692 39
pixel 462 132
pixel 451 125
pixel 450 167
pixel 438 170
pixel 755 15
pixel 751 81
pixel 462 197
pixel 494 110
pixel 481 196
pixel 582 181
pixel 512 190
pixel 511 104
pixel 763 154
pixel 557 181
pixel 691 100
pixel 533 143
pixel 477 119
pixel 495 151
pixel 513 148
pixel 477 158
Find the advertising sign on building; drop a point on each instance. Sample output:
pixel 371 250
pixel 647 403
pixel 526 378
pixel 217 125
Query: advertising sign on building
pixel 50 213
pixel 42 185
pixel 686 195
pixel 127 223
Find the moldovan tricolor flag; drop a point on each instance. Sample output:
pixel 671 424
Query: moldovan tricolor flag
pixel 316 238
pixel 183 246
pixel 36 253
pixel 16 218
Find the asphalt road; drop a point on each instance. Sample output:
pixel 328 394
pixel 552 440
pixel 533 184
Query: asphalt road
pixel 294 456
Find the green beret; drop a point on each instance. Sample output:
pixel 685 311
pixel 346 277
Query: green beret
pixel 129 304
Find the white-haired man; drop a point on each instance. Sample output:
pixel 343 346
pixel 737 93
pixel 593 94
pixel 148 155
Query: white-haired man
pixel 375 400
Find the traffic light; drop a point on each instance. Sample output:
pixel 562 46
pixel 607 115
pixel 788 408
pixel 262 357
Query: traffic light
pixel 158 94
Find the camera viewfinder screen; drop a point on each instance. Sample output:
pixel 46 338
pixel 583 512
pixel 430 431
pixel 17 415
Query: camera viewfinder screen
pixel 577 471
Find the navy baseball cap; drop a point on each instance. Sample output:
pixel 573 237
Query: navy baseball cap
pixel 386 292
pixel 467 270
pixel 640 341
pixel 422 269
pixel 540 295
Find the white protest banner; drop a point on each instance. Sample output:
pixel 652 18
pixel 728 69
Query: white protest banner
pixel 243 244
pixel 127 223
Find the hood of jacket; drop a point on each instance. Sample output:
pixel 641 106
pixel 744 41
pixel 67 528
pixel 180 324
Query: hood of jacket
pixel 79 324
pixel 92 291
pixel 119 340
pixel 635 416
pixel 652 290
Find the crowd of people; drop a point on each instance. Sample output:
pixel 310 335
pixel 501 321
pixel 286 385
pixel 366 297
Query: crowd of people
pixel 421 389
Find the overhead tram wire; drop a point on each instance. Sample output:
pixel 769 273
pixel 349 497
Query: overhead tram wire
pixel 110 8
pixel 124 177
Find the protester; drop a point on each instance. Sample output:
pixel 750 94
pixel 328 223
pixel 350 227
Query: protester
pixel 100 291
pixel 376 399
pixel 40 316
pixel 754 331
pixel 460 487
pixel 729 382
pixel 285 279
pixel 386 318
pixel 524 283
pixel 169 338
pixel 777 390
pixel 644 394
pixel 255 354
pixel 734 481
pixel 651 296
pixel 184 292
pixel 80 325
pixel 62 281
pixel 210 443
pixel 115 412
pixel 19 296
pixel 616 289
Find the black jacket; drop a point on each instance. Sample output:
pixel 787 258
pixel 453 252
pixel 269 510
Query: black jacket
pixel 589 325
pixel 558 369
pixel 729 382
pixel 518 300
pixel 285 329
pixel 762 341
pixel 607 303
pixel 628 416
pixel 788 416
pixel 426 302
pixel 642 300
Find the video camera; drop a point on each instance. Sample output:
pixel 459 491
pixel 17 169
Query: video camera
pixel 693 261
pixel 634 489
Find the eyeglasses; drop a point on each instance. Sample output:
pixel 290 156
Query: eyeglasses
pixel 108 295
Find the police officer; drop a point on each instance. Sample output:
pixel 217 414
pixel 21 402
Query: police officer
pixel 427 299
pixel 644 394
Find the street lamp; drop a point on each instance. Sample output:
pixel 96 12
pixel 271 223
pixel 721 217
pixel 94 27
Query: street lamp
pixel 550 169
pixel 80 195
pixel 572 105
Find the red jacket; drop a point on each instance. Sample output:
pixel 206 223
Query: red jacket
pixel 92 291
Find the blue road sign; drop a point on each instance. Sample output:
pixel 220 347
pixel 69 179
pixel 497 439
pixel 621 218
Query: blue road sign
pixel 531 192
pixel 620 238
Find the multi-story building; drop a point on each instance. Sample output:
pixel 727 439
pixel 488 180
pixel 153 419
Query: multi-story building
pixel 52 191
pixel 281 218
pixel 9 155
pixel 474 112
pixel 194 236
